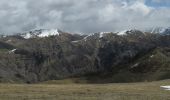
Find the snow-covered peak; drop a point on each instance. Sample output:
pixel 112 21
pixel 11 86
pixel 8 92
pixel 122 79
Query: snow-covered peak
pixel 122 32
pixel 130 32
pixel 101 34
pixel 47 33
pixel 40 33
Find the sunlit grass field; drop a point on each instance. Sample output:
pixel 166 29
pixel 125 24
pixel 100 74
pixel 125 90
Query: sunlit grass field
pixel 56 90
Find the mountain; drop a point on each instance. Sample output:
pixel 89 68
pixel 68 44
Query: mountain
pixel 161 30
pixel 127 56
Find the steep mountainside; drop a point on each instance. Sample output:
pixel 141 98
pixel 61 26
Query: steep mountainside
pixel 125 56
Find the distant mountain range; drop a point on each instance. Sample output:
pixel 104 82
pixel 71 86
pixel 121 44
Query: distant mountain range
pixel 125 56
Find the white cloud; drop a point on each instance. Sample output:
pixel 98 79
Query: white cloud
pixel 106 14
pixel 141 8
pixel 80 15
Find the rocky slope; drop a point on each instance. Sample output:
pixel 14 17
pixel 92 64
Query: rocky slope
pixel 125 56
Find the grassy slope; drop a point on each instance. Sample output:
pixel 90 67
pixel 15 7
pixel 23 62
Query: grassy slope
pixel 116 91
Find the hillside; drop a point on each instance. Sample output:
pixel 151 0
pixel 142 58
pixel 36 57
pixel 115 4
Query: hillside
pixel 103 57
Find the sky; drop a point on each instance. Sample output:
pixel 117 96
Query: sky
pixel 82 16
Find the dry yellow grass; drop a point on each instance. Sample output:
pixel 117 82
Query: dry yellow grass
pixel 115 91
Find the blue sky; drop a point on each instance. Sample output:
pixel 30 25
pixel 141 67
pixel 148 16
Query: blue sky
pixel 158 3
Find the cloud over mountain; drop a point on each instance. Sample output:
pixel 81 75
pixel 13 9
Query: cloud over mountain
pixel 83 16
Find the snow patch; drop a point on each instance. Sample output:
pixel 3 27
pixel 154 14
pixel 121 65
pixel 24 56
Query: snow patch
pixel 85 38
pixel 75 41
pixel 26 36
pixel 101 34
pixel 12 51
pixel 135 65
pixel 151 56
pixel 81 34
pixel 9 41
pixel 4 36
pixel 165 87
pixel 122 32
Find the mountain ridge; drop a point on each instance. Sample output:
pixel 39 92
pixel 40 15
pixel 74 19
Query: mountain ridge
pixel 98 57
